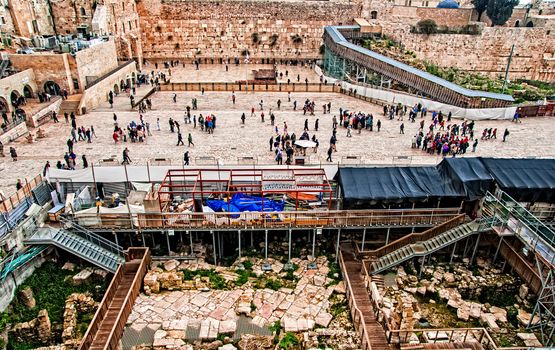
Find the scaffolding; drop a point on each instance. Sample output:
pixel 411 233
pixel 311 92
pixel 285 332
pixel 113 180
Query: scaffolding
pixel 509 217
pixel 298 185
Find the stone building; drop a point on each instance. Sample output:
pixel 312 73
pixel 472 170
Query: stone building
pixel 66 71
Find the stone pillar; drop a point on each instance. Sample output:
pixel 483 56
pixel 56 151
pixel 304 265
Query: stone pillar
pixel 27 297
pixel 43 326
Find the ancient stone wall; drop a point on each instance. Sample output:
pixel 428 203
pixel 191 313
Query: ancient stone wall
pixel 48 67
pixel 6 22
pixel 30 17
pixel 216 29
pixel 487 53
pixel 453 18
pixel 68 15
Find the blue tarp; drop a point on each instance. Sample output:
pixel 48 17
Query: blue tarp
pixel 242 202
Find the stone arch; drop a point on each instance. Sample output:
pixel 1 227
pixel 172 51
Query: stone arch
pixel 4 106
pixel 530 24
pixel 82 11
pixel 374 15
pixel 28 92
pixel 52 88
pixel 14 96
pixel 517 23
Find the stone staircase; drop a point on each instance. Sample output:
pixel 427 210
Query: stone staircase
pixel 71 104
pixel 424 248
pixel 84 244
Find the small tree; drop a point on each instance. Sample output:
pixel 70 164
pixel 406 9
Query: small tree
pixel 427 26
pixel 499 11
pixel 480 6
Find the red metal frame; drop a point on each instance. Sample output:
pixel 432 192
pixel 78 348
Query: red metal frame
pixel 189 183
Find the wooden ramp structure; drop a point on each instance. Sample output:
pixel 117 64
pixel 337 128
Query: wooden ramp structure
pixel 370 330
pixel 106 328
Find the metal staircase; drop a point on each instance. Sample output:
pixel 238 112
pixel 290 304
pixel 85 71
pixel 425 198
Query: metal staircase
pixel 425 247
pixel 82 243
pixel 509 218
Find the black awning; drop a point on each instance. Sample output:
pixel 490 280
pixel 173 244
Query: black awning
pixel 526 180
pixel 468 175
pixel 393 185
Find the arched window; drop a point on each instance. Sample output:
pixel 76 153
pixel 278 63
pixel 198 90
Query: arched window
pixel 82 11
pixel 517 23
pixel 530 24
pixel 374 14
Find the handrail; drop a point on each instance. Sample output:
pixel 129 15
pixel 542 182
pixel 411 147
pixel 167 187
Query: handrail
pixel 535 236
pixel 390 332
pixel 332 218
pixel 102 309
pixel 354 308
pixel 416 237
pixel 104 76
pixel 117 328
pixel 123 314
pixel 94 238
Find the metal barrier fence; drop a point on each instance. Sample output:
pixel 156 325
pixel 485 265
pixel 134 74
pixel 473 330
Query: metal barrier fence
pixel 10 203
pixel 262 220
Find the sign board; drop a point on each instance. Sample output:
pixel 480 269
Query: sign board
pixel 171 232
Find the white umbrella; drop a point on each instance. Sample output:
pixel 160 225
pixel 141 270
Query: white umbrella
pixel 305 143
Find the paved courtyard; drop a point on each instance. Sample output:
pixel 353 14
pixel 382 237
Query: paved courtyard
pixel 232 140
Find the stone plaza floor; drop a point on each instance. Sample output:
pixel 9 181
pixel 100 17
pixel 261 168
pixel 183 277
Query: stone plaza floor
pixel 231 140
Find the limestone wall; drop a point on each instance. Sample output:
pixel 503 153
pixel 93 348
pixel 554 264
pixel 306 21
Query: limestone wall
pixel 443 17
pixel 47 67
pixel 98 93
pixel 24 12
pixel 68 15
pixel 95 61
pixel 214 29
pixel 17 82
pixel 488 53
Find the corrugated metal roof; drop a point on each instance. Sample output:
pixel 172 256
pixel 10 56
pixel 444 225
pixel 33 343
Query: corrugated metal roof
pixel 338 38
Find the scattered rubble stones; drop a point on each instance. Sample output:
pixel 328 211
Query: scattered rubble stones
pixel 403 310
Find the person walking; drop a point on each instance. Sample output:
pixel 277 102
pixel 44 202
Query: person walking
pixel 186 158
pixel 271 142
pixel 316 124
pixel 379 125
pixel 180 139
pixel 46 168
pixel 402 128
pixel 474 145
pixel 505 134
pixel 126 159
pixel 330 152
pixel 85 162
pixel 190 140
pixel 69 145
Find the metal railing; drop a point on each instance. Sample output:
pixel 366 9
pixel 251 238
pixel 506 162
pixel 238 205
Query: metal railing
pixel 92 237
pixel 429 335
pixel 415 237
pixel 11 202
pixel 104 76
pixel 507 214
pixel 356 314
pixel 126 306
pixel 286 219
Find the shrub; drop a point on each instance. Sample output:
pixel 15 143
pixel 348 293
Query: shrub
pixel 289 341
pixel 427 26
pixel 273 284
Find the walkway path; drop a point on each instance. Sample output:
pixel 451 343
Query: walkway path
pixel 352 273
